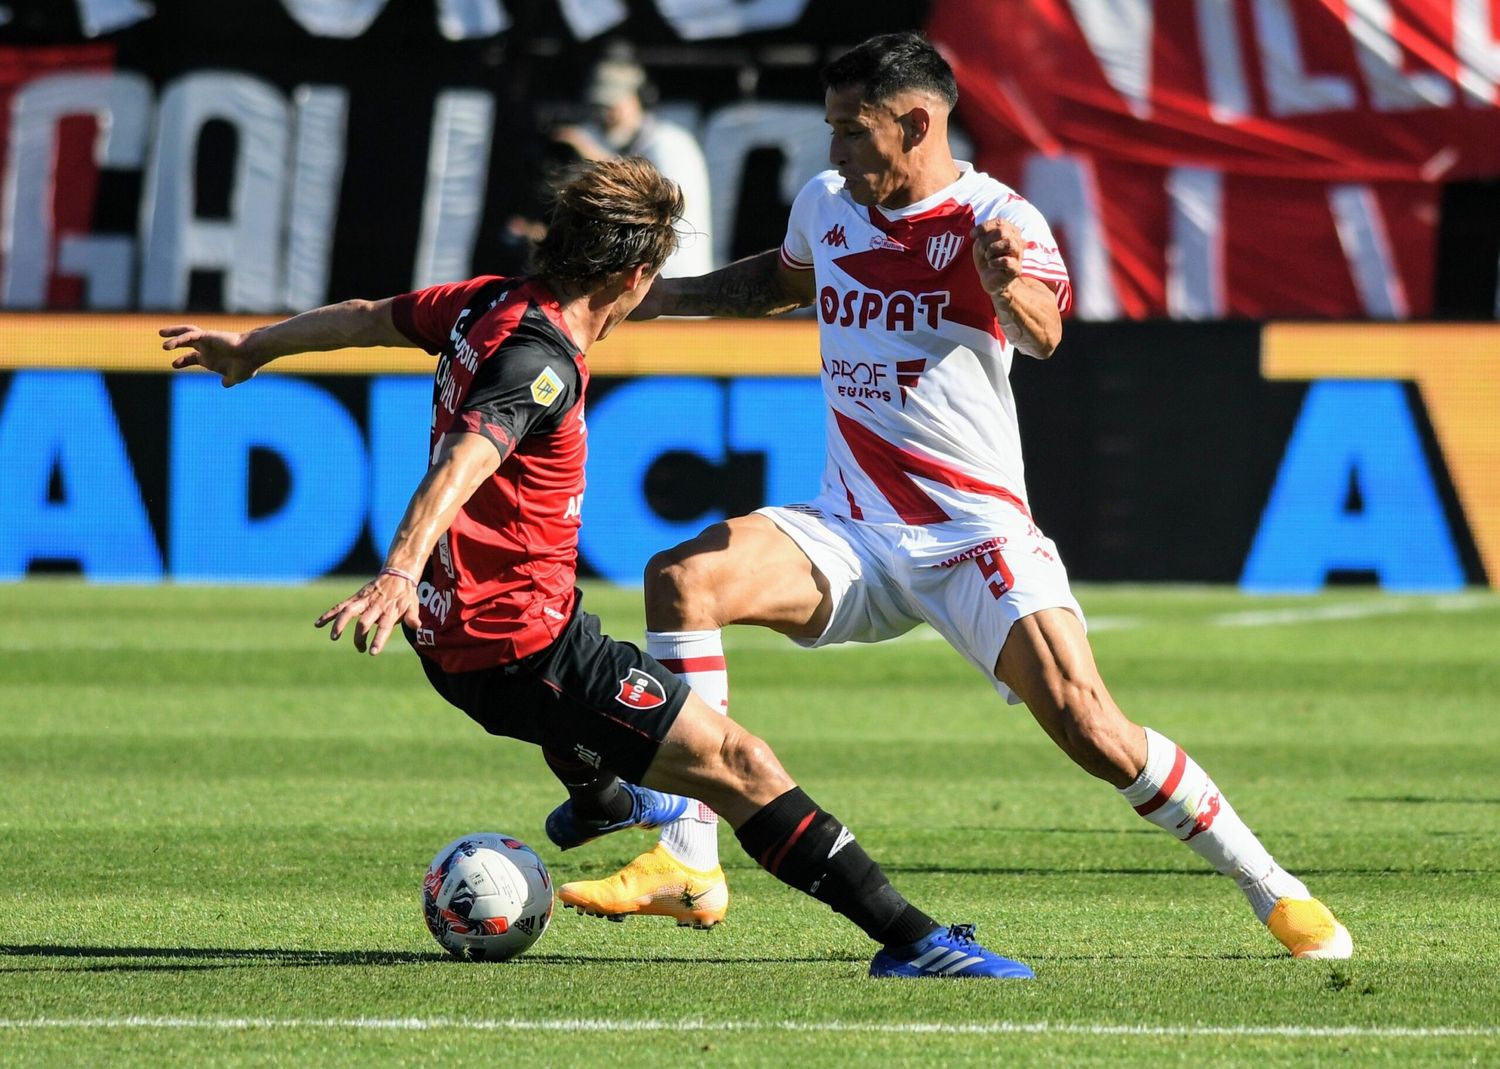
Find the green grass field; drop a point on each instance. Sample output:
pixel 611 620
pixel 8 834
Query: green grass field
pixel 214 824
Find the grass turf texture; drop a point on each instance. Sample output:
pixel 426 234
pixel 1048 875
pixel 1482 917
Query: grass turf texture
pixel 214 824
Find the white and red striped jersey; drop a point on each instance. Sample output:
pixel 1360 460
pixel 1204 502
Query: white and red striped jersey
pixel 921 421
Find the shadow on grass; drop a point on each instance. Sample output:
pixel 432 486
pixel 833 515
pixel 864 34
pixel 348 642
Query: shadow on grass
pixel 1043 870
pixel 186 959
pixel 144 958
pixel 1204 872
pixel 1423 799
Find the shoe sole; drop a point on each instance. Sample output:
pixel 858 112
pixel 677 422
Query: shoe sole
pixel 700 922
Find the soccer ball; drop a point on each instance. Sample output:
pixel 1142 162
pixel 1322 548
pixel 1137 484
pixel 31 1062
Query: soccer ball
pixel 487 897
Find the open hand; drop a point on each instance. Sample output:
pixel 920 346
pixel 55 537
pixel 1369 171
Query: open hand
pixel 222 352
pixel 376 608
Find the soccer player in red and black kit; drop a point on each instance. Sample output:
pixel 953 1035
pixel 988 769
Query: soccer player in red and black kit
pixel 480 573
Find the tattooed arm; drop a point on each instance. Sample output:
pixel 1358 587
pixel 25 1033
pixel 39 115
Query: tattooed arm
pixel 756 286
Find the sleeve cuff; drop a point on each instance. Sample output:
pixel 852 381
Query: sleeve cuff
pixel 788 260
pixel 402 309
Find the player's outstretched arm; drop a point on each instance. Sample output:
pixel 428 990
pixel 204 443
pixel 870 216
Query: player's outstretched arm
pixel 236 357
pixel 464 461
pixel 1026 307
pixel 756 286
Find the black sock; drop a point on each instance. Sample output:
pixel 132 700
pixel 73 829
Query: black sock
pixel 810 849
pixel 596 795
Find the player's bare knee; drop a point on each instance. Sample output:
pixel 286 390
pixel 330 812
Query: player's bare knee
pixel 679 591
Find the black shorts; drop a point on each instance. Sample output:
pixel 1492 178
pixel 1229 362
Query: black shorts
pixel 586 697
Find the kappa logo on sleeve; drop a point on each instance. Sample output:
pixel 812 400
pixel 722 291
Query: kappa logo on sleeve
pixel 640 691
pixel 546 387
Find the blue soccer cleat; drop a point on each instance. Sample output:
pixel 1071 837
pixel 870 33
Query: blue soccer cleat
pixel 648 809
pixel 948 951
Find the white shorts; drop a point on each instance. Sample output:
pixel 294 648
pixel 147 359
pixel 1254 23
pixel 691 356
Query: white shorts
pixel 970 582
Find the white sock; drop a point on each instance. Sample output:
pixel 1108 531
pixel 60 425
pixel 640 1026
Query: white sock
pixel 1172 792
pixel 698 657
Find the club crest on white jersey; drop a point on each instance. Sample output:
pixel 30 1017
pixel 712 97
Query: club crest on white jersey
pixel 942 248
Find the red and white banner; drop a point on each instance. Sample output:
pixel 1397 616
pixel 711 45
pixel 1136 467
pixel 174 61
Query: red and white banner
pixel 1210 158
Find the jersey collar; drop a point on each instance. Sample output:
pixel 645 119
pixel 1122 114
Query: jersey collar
pixel 951 192
pixel 542 296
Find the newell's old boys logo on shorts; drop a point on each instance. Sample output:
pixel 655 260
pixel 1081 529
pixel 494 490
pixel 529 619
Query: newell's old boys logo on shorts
pixel 640 691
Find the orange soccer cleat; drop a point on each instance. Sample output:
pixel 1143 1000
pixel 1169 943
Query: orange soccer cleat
pixel 1309 930
pixel 655 884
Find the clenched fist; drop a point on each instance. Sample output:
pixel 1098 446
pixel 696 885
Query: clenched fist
pixel 998 247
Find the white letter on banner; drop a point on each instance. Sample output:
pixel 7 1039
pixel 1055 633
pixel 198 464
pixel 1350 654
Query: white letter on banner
pixel 1372 26
pixel 589 18
pixel 246 247
pixel 1063 189
pixel 1195 253
pixel 695 20
pixel 334 18
pixel 464 20
pixel 1219 45
pixel 1119 32
pixel 458 163
pixel 731 134
pixel 1367 248
pixel 121 104
pixel 98 17
pixel 317 169
pixel 1289 88
pixel 1477 50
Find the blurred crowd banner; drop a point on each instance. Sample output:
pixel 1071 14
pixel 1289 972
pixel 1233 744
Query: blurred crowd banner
pixel 1199 159
pixel 1282 457
pixel 1256 158
pixel 265 155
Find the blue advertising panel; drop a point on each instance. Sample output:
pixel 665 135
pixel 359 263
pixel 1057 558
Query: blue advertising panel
pixel 1154 452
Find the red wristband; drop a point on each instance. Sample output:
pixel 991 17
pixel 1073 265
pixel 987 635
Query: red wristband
pixel 399 574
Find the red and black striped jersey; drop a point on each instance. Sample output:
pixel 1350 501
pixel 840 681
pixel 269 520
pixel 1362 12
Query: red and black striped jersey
pixel 500 583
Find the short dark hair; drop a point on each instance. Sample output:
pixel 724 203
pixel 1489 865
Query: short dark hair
pixel 892 63
pixel 608 216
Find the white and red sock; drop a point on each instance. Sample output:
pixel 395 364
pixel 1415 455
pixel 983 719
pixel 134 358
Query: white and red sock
pixel 698 658
pixel 1173 793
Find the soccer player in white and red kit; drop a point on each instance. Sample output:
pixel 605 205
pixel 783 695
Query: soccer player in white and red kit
pixel 480 572
pixel 927 277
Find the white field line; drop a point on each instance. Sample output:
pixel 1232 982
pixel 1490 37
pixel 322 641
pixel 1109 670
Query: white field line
pixel 1399 605
pixel 746 639
pixel 1355 610
pixel 450 1024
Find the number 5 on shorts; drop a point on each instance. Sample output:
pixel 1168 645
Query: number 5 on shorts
pixel 993 567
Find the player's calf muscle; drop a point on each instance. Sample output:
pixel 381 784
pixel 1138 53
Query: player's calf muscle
pixel 1102 745
pixel 712 758
pixel 751 765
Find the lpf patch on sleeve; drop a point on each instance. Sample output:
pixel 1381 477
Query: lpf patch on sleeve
pixel 546 387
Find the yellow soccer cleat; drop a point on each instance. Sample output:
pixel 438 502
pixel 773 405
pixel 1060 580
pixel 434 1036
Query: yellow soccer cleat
pixel 1308 930
pixel 655 884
